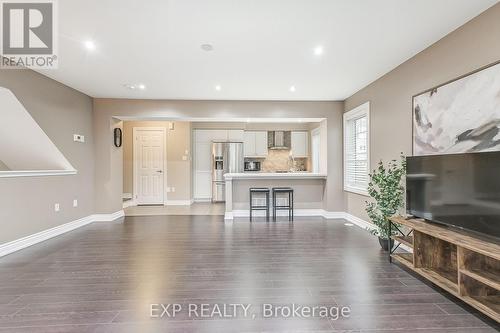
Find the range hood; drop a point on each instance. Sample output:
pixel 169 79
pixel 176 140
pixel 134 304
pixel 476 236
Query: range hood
pixel 279 140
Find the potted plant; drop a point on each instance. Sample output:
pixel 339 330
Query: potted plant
pixel 387 192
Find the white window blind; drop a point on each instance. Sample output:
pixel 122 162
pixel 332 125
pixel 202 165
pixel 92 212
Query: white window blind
pixel 356 149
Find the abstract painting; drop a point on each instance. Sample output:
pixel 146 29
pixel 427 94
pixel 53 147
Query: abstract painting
pixel 459 117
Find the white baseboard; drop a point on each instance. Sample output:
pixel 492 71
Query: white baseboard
pixel 369 226
pixel 179 202
pixel 108 217
pixel 229 216
pixel 44 235
pixel 297 212
pixel 359 222
pixel 202 200
pixel 129 203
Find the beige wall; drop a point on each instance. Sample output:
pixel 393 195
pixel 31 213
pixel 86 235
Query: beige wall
pixel 3 167
pixel 109 171
pixel 27 204
pixel 472 46
pixel 308 193
pixel 178 170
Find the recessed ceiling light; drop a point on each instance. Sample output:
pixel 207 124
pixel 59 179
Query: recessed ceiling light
pixel 89 45
pixel 292 89
pixel 218 87
pixel 318 50
pixel 348 224
pixel 207 47
pixel 139 86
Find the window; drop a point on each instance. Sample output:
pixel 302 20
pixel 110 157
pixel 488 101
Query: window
pixel 356 149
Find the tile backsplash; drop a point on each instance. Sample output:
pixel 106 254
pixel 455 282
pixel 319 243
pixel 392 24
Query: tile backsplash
pixel 278 160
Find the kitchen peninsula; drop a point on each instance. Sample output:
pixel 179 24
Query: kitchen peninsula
pixel 309 190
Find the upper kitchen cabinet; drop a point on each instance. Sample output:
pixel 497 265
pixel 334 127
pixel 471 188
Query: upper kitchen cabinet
pixel 255 143
pixel 300 144
pixel 235 135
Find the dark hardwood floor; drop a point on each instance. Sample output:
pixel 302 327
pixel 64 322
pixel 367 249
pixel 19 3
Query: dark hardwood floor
pixel 105 276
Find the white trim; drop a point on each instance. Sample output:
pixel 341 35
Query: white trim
pixel 355 190
pixel 44 235
pixel 229 216
pixel 297 212
pixel 369 226
pixel 127 196
pixel 359 222
pixel 129 203
pixel 202 200
pixel 274 175
pixel 108 217
pixel 179 202
pixel 360 111
pixel 134 161
pixel 36 173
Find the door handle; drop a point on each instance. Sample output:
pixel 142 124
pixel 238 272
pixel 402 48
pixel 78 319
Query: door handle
pixel 159 171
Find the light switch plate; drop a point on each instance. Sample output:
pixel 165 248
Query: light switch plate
pixel 78 138
pixel 57 207
pixel 75 203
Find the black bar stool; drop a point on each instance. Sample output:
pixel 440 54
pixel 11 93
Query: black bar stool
pixel 259 190
pixel 288 206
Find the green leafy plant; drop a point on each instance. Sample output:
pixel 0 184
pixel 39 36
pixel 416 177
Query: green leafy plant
pixel 386 189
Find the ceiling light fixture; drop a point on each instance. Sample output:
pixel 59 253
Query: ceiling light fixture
pixel 89 45
pixel 318 50
pixel 218 87
pixel 139 86
pixel 348 224
pixel 292 89
pixel 207 47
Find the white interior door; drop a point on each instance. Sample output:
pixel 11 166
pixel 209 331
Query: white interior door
pixel 149 158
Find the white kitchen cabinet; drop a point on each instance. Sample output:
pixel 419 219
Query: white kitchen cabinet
pixel 300 144
pixel 202 158
pixel 261 143
pixel 255 144
pixel 235 135
pixel 249 143
pixel 202 168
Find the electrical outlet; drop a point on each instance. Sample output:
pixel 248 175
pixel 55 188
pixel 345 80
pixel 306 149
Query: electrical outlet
pixel 78 138
pixel 75 203
pixel 173 189
pixel 57 207
pixel 168 189
pixel 184 158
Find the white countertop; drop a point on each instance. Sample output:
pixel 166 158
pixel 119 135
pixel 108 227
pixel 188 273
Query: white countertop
pixel 274 175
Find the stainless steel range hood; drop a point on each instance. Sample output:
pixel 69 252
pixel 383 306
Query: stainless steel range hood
pixel 279 140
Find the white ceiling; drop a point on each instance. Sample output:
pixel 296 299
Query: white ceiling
pixel 261 47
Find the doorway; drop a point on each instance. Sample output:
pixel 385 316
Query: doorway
pixel 149 156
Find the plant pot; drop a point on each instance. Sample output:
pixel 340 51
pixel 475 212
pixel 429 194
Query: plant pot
pixel 384 243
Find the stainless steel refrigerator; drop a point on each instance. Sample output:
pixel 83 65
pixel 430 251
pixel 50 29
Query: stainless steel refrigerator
pixel 227 157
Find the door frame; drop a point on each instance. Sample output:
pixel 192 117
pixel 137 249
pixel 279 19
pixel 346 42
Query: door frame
pixel 135 160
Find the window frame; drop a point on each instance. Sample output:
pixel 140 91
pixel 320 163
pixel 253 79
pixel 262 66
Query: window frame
pixel 362 110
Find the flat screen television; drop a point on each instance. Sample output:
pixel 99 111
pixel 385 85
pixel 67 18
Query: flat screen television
pixel 457 190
